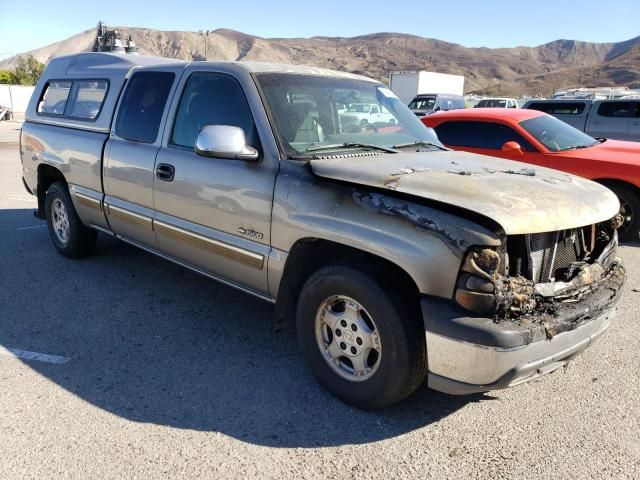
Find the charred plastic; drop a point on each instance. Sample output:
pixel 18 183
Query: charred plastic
pixel 554 278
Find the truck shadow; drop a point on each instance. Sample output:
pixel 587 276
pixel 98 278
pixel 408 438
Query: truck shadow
pixel 152 342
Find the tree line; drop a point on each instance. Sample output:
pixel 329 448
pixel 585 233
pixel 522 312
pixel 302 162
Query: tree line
pixel 27 72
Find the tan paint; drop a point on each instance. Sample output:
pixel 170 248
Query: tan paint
pixel 520 197
pixel 240 255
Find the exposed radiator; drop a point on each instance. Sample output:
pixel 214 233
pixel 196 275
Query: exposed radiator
pixel 551 251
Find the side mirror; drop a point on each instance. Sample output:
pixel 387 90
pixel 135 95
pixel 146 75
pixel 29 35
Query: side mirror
pixel 437 108
pixel 224 141
pixel 513 149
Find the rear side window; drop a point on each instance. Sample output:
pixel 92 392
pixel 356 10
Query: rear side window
pixel 212 99
pixel 54 98
pixel 558 108
pixel 89 96
pixel 617 109
pixel 142 106
pixel 479 135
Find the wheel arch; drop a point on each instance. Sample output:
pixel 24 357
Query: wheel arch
pixel 617 181
pixel 309 254
pixel 47 175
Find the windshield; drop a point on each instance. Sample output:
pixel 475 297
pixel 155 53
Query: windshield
pixel 492 103
pixel 308 114
pixel 557 135
pixel 425 103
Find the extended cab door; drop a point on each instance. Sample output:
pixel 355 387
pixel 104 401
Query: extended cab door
pixel 130 154
pixel 214 214
pixel 611 119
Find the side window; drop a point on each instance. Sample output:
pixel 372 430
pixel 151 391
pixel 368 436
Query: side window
pixel 479 135
pixel 616 109
pixel 142 106
pixel 374 109
pixel 212 99
pixel 89 97
pixel 54 98
pixel 558 108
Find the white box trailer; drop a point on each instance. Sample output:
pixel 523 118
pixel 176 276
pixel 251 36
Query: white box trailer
pixel 406 85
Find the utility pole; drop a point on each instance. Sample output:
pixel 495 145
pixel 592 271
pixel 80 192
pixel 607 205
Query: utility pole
pixel 205 35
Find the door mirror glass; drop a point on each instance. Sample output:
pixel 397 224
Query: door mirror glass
pixel 513 148
pixel 224 141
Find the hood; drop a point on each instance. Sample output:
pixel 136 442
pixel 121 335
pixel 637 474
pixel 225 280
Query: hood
pixel 520 197
pixel 613 151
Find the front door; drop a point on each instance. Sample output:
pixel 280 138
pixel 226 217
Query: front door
pixel 214 214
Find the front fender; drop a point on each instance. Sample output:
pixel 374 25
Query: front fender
pixel 425 242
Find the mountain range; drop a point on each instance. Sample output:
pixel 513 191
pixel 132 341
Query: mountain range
pixel 492 71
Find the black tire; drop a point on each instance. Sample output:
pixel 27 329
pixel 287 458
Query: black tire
pixel 80 240
pixel 402 364
pixel 630 210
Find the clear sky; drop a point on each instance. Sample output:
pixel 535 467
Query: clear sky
pixel 25 25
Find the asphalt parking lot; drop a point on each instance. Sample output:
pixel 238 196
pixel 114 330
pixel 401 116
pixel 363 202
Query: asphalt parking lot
pixel 155 372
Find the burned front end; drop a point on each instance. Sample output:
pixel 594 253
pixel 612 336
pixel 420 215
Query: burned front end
pixel 523 309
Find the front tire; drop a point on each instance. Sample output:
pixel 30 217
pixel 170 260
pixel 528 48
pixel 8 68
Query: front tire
pixel 70 237
pixel 363 344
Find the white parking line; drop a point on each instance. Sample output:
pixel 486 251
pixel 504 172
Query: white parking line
pixel 28 228
pixel 26 355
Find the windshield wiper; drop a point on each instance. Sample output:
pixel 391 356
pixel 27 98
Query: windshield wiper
pixel 420 143
pixel 337 146
pixel 577 147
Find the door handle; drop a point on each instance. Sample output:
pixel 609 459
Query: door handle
pixel 165 172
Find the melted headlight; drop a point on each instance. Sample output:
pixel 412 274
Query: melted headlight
pixel 475 289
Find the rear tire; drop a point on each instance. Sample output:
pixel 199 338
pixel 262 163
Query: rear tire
pixel 630 211
pixel 363 344
pixel 70 237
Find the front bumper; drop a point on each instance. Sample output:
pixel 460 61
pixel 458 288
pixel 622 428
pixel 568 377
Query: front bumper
pixel 468 355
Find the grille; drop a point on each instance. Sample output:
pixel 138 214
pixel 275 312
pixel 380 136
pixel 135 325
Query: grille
pixel 551 251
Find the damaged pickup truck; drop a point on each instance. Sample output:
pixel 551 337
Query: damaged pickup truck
pixel 399 260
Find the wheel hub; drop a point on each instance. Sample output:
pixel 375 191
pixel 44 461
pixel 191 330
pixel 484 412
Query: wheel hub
pixel 348 338
pixel 60 220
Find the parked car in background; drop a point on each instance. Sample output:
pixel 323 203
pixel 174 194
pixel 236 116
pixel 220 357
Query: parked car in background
pixel 535 137
pixel 497 103
pixel 429 103
pixel 357 114
pixel 5 113
pixel 616 119
pixel 393 263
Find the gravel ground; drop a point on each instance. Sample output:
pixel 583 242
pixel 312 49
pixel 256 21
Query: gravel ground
pixel 173 375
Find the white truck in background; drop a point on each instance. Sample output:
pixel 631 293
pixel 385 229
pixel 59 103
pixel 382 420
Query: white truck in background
pixel 407 85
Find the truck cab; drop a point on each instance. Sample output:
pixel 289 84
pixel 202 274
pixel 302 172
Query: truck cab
pixel 379 244
pixel 617 119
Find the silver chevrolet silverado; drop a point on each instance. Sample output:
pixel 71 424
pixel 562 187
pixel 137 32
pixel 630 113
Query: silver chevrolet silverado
pixel 397 258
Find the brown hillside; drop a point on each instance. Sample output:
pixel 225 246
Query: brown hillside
pixel 512 71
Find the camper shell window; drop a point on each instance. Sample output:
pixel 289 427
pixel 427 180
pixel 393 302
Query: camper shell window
pixel 77 99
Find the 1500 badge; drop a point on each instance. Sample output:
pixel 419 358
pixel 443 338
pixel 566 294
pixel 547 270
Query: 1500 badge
pixel 250 233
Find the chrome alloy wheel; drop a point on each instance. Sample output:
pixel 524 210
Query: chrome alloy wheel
pixel 60 220
pixel 348 338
